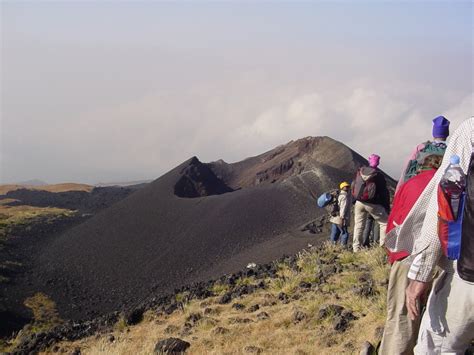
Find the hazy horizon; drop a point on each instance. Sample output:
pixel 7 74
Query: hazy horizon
pixel 100 92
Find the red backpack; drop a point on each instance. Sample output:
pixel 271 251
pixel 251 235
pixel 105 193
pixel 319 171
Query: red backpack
pixel 456 233
pixel 363 187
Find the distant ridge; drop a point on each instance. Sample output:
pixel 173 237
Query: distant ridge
pixel 33 182
pixel 123 183
pixel 50 188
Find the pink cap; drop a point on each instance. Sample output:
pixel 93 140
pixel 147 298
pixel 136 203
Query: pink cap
pixel 374 160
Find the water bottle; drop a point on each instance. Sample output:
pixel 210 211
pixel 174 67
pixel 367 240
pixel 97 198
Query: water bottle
pixel 453 184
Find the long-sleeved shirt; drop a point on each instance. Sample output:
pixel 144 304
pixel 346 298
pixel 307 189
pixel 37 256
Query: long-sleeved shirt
pixel 420 226
pixel 344 201
pixel 403 202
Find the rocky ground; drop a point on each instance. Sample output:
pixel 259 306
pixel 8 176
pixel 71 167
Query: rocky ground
pixel 323 300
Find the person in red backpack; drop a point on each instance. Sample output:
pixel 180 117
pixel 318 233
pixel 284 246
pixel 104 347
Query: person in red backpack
pixel 400 332
pixel 370 191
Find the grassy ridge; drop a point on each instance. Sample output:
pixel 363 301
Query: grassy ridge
pixel 50 188
pixel 14 216
pixel 299 322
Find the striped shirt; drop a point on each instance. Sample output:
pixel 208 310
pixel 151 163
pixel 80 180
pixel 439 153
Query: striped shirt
pixel 418 234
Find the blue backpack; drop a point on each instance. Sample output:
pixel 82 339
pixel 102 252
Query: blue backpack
pixel 328 200
pixel 325 199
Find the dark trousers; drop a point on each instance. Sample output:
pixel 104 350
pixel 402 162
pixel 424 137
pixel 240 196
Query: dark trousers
pixel 371 232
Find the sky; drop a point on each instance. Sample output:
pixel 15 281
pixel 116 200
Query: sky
pixel 99 91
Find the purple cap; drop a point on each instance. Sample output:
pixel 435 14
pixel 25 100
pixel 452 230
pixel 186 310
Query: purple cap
pixel 374 160
pixel 440 127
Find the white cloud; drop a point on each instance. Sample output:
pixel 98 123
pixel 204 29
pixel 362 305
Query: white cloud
pixel 370 121
pixel 147 136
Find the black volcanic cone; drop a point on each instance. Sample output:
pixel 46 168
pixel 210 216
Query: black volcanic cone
pixel 198 180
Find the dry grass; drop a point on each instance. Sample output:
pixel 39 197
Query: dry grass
pixel 11 216
pixel 15 215
pixel 51 188
pixel 277 335
pixel 45 317
pixel 44 311
pixel 22 214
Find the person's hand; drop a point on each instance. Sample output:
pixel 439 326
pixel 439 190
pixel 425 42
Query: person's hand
pixel 416 293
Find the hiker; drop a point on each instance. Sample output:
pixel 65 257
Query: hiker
pixel 370 191
pixel 400 332
pixel 371 233
pixel 340 222
pixel 436 148
pixel 447 325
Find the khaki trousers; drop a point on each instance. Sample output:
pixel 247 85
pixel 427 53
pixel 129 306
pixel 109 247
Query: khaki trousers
pixel 400 332
pixel 361 212
pixel 447 326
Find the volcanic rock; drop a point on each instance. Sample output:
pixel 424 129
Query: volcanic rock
pixel 240 320
pixel 193 318
pixel 254 308
pixel 170 329
pixel 134 317
pixel 211 311
pixel 341 322
pixel 171 346
pixel 305 285
pixel 253 349
pixel 220 331
pixel 283 297
pixel 365 287
pixel 238 306
pixel 263 316
pixel 299 316
pixel 329 309
pixel 226 298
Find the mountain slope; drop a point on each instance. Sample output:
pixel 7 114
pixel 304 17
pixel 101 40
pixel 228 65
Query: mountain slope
pixel 311 154
pixel 196 222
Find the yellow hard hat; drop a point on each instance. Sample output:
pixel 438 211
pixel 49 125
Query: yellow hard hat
pixel 344 184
